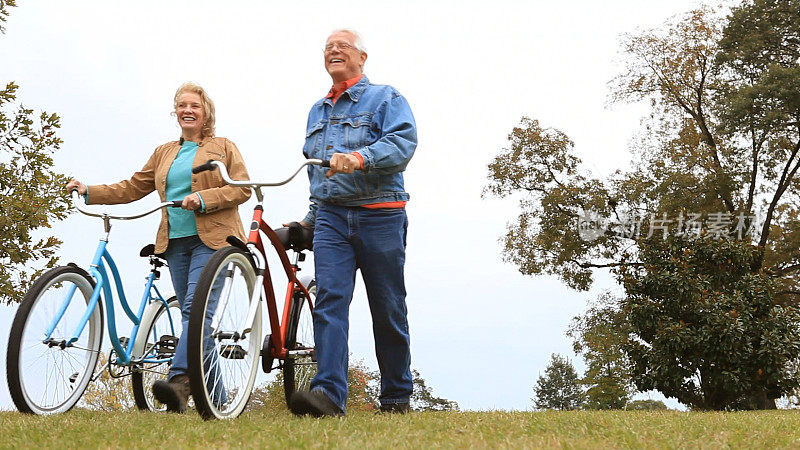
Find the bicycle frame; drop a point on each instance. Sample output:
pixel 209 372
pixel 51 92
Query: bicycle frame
pixel 293 287
pixel 255 245
pixel 97 270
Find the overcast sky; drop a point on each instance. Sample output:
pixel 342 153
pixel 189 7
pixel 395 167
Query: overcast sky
pixel 481 333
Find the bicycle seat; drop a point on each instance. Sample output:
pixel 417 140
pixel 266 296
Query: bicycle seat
pixel 296 237
pixel 150 250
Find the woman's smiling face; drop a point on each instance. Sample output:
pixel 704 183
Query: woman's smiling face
pixel 191 114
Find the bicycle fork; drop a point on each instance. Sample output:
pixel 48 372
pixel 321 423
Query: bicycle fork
pixel 255 297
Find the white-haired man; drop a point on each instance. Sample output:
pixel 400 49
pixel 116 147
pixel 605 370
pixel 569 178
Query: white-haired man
pixel 368 133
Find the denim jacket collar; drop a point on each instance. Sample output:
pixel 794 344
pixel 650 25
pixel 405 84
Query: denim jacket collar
pixel 354 92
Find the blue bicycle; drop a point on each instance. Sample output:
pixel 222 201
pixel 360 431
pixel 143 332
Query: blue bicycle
pixel 56 336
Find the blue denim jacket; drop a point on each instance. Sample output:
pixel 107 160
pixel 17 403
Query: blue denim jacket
pixel 374 120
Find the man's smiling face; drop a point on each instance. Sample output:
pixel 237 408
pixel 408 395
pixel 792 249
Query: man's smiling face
pixel 342 59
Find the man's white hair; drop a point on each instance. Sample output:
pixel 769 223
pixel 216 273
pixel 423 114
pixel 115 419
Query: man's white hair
pixel 359 41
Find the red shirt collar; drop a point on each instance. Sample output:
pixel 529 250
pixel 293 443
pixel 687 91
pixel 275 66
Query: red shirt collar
pixel 338 88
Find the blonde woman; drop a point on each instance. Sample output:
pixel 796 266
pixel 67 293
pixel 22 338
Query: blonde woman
pixel 187 237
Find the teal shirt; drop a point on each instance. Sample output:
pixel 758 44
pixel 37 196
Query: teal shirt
pixel 182 223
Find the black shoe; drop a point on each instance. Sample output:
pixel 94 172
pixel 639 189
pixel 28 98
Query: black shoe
pixel 174 394
pixel 315 403
pixel 396 408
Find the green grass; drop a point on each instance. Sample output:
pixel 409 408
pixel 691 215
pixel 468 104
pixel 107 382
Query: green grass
pixel 497 429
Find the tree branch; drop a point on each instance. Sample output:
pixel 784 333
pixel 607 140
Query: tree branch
pixel 587 265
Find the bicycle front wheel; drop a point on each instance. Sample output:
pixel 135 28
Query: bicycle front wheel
pixel 158 321
pixel 46 375
pixel 223 348
pixel 301 367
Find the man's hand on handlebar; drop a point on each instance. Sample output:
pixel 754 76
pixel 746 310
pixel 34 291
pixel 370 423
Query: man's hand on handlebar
pixel 303 223
pixel 343 163
pixel 75 184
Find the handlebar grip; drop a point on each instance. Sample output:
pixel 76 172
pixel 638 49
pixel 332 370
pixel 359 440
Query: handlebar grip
pixel 325 163
pixel 204 167
pixel 177 203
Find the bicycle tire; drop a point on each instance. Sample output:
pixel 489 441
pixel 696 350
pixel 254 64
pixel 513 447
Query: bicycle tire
pixel 39 380
pixel 155 324
pixel 298 372
pixel 222 376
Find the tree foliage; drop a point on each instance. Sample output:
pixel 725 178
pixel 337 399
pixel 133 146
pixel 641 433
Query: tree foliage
pixel 107 393
pixel 4 5
pixel 32 195
pixel 422 399
pixel 363 390
pixel 705 329
pixel 559 387
pixel 716 142
pixel 544 238
pixel 363 387
pixel 714 172
pixel 600 336
pixel 646 405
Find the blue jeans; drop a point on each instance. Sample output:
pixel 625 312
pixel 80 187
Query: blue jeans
pixel 347 239
pixel 187 257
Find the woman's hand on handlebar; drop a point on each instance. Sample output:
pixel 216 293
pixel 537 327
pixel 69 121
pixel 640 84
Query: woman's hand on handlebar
pixel 191 202
pixel 75 184
pixel 343 163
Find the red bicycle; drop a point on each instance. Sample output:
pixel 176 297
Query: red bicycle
pixel 224 334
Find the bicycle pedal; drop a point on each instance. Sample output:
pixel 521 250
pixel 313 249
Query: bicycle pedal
pixel 233 351
pixel 165 347
pixel 266 354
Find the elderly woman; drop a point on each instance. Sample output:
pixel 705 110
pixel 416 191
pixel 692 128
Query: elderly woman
pixel 186 237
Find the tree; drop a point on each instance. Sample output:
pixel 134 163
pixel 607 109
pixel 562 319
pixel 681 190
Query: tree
pixel 558 388
pixel 4 5
pixel 646 405
pixel 363 387
pixel 600 336
pixel 715 143
pixel 269 395
pixel 716 161
pixel 32 195
pixel 545 239
pixel 422 399
pixel 760 110
pixel 107 393
pixel 709 331
pixel 362 394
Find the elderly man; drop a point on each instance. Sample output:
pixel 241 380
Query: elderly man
pixel 357 207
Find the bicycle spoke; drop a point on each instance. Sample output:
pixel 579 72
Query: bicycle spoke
pixel 224 354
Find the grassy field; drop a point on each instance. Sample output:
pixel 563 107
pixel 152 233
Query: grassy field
pixel 618 429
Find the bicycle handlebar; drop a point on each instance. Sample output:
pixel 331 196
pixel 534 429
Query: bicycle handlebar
pixel 204 167
pixel 77 203
pixel 223 171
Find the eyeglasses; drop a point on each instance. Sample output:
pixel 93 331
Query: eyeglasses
pixel 342 46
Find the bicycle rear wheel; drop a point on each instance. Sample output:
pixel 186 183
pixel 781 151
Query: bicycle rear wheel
pixel 157 322
pixel 46 376
pixel 299 370
pixel 223 360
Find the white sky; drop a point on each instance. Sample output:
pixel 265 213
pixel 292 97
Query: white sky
pixel 481 333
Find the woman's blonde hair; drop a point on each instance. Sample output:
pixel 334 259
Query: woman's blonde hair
pixel 208 106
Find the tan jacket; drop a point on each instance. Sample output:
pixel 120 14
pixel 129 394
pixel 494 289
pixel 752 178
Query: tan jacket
pixel 221 218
